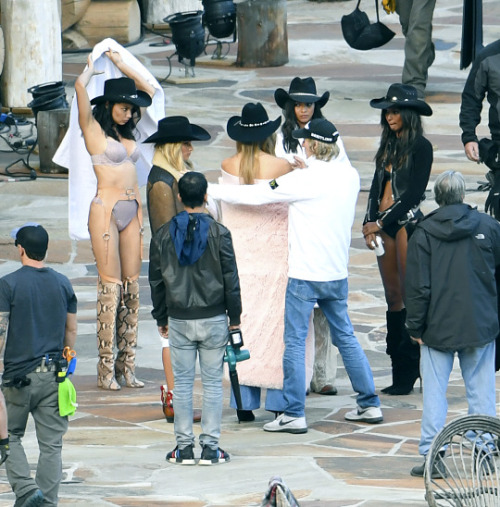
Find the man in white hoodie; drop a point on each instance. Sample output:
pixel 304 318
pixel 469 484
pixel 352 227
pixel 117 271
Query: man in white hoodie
pixel 322 200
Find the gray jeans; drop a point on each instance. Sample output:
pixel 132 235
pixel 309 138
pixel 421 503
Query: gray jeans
pixel 206 338
pixel 40 398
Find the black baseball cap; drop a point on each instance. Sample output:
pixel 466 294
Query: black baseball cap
pixel 32 237
pixel 319 129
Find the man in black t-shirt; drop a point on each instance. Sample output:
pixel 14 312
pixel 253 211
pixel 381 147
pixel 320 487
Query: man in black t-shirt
pixel 38 319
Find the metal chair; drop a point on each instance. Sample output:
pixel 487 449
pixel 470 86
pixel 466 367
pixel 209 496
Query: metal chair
pixel 467 450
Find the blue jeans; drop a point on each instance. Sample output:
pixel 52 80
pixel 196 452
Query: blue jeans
pixel 301 295
pixel 478 371
pixel 188 338
pixel 250 399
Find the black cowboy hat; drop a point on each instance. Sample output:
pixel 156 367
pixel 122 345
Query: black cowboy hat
pixel 253 125
pixel 402 95
pixel 319 129
pixel 122 89
pixel 177 129
pixel 302 91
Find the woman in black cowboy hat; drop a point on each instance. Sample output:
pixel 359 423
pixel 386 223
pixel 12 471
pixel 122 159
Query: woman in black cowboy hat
pixel 115 217
pixel 403 166
pixel 260 243
pixel 173 148
pixel 300 105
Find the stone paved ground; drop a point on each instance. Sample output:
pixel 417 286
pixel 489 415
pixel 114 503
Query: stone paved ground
pixel 114 451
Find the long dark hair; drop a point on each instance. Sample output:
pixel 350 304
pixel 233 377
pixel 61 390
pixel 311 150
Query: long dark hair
pixel 394 149
pixel 289 143
pixel 102 114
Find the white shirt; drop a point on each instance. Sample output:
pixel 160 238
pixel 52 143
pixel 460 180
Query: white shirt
pixel 322 202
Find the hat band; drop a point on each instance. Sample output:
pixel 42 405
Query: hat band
pixel 253 124
pixel 322 138
pixel 305 94
pixel 134 96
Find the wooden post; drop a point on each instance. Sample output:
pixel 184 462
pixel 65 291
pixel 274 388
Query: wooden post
pixel 118 19
pixel 262 33
pixel 32 33
pixel 158 10
pixel 51 126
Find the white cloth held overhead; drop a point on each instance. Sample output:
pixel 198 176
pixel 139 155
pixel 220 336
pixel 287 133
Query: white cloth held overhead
pixel 72 152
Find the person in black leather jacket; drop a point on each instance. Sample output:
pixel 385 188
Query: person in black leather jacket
pixel 484 82
pixel 403 167
pixel 173 148
pixel 195 290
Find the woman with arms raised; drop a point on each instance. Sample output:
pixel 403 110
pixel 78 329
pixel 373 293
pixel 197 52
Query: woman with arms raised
pixel 115 216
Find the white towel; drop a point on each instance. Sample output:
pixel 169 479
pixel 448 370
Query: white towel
pixel 72 152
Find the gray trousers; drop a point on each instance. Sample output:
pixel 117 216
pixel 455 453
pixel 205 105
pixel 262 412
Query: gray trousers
pixel 325 354
pixel 40 399
pixel 415 17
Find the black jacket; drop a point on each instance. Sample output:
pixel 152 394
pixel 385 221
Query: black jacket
pixel 483 80
pixel 408 185
pixel 207 288
pixel 451 296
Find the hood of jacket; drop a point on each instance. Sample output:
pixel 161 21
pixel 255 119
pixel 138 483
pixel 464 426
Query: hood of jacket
pixel 452 222
pixel 189 233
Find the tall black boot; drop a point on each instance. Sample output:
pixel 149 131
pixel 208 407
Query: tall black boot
pixel 405 362
pixel 393 339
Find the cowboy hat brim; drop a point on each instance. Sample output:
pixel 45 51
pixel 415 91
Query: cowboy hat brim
pixel 418 105
pixel 281 97
pixel 197 134
pixel 142 99
pixel 252 134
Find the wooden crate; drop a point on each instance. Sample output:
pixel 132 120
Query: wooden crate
pixel 118 19
pixel 72 11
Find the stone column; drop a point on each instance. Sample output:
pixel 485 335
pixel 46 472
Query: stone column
pixel 32 32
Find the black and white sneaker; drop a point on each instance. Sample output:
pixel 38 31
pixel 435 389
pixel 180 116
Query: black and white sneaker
pixel 213 456
pixel 287 424
pixel 181 456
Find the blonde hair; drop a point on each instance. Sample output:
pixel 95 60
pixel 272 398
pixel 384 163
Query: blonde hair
pixel 268 145
pixel 323 151
pixel 249 164
pixel 173 155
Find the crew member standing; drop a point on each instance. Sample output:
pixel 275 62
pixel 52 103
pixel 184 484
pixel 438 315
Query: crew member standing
pixel 38 317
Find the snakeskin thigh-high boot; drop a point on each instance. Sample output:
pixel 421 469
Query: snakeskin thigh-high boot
pixel 108 296
pixel 126 335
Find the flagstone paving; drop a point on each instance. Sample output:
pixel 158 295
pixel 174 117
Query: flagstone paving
pixel 114 451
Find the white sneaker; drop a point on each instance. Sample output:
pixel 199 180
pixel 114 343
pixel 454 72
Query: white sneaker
pixel 371 415
pixel 287 424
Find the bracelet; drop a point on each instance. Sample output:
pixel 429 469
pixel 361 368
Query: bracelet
pixel 379 225
pixel 4 441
